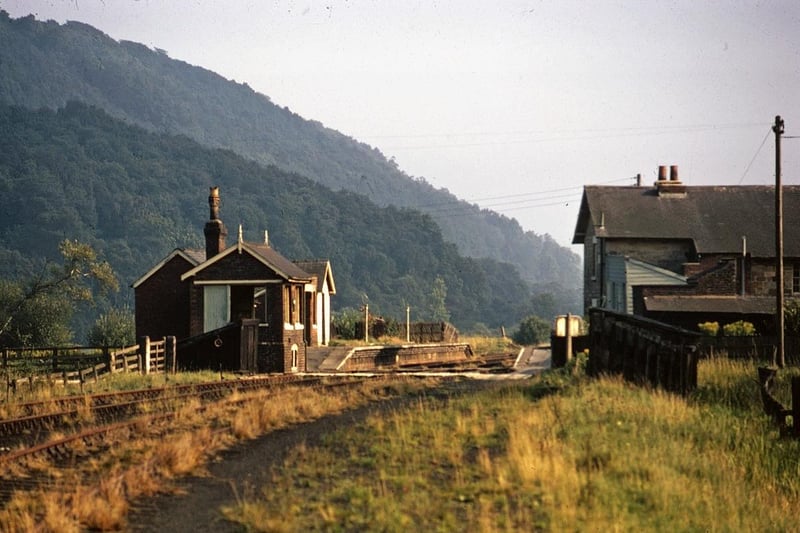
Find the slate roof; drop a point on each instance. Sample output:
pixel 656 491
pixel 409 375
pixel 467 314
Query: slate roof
pixel 198 255
pixel 278 262
pixel 193 256
pixel 262 252
pixel 321 268
pixel 711 304
pixel 714 217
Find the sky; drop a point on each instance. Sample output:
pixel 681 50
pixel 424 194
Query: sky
pixel 511 105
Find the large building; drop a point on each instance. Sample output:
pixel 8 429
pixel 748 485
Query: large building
pixel 685 254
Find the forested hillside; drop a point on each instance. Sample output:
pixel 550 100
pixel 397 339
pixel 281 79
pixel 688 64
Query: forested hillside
pixel 44 64
pixel 135 195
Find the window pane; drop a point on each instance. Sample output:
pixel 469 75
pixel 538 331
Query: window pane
pixel 215 307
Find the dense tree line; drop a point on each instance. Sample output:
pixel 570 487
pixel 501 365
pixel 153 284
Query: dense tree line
pixel 134 195
pixel 44 64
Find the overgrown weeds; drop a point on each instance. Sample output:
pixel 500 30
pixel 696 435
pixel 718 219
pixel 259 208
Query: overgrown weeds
pixel 97 494
pixel 563 453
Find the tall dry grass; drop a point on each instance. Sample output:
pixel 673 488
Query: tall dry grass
pixel 96 495
pixel 598 455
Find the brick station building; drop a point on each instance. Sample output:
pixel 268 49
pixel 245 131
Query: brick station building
pixel 241 307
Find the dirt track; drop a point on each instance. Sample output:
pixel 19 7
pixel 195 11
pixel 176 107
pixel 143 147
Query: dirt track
pixel 245 469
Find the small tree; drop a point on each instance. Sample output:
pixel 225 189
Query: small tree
pixel 115 328
pixel 29 308
pixel 344 322
pixel 437 307
pixel 532 330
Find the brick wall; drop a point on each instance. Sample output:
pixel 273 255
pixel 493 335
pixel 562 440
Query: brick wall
pixel 277 356
pixel 162 302
pixel 236 266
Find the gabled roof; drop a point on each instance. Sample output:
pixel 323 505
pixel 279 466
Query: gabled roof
pixel 261 252
pixel 715 218
pixel 193 256
pixel 321 269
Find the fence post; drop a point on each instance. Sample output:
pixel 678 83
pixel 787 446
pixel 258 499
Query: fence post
pixel 170 355
pixel 144 355
pixel 109 355
pixel 55 359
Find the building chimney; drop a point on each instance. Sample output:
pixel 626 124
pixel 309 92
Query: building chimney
pixel 672 187
pixel 214 230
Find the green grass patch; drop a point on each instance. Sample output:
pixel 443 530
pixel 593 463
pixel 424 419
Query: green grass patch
pixel 560 453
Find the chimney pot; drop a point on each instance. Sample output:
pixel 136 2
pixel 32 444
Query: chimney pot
pixel 214 230
pixel 213 203
pixel 662 173
pixel 673 173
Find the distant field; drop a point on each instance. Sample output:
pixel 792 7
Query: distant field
pixel 558 454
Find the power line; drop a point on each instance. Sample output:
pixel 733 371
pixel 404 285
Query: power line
pixel 467 212
pixel 754 157
pixel 458 202
pixel 554 136
pixel 457 208
pixel 657 129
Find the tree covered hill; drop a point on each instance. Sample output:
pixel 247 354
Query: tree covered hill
pixel 135 195
pixel 45 64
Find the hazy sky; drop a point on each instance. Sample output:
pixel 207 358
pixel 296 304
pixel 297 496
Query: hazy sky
pixel 513 105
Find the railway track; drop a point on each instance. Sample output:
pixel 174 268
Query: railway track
pixel 115 414
pixel 79 411
pixel 66 403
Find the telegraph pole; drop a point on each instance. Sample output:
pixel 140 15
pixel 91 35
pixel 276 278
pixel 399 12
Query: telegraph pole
pixel 778 129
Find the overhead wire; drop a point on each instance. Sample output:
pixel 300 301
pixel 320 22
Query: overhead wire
pixel 746 170
pixel 554 136
pixel 460 201
pixel 534 200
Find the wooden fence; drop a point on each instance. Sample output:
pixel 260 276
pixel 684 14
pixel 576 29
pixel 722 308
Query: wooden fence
pixel 759 348
pixel 773 408
pixel 78 364
pixel 643 351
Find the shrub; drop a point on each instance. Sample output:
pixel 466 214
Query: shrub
pixel 532 330
pixel 114 328
pixel 709 328
pixel 791 317
pixel 740 328
pixel 344 322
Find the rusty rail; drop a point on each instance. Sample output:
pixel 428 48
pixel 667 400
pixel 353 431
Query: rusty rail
pixel 63 449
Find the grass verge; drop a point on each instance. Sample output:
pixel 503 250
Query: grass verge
pixel 598 455
pixel 96 493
